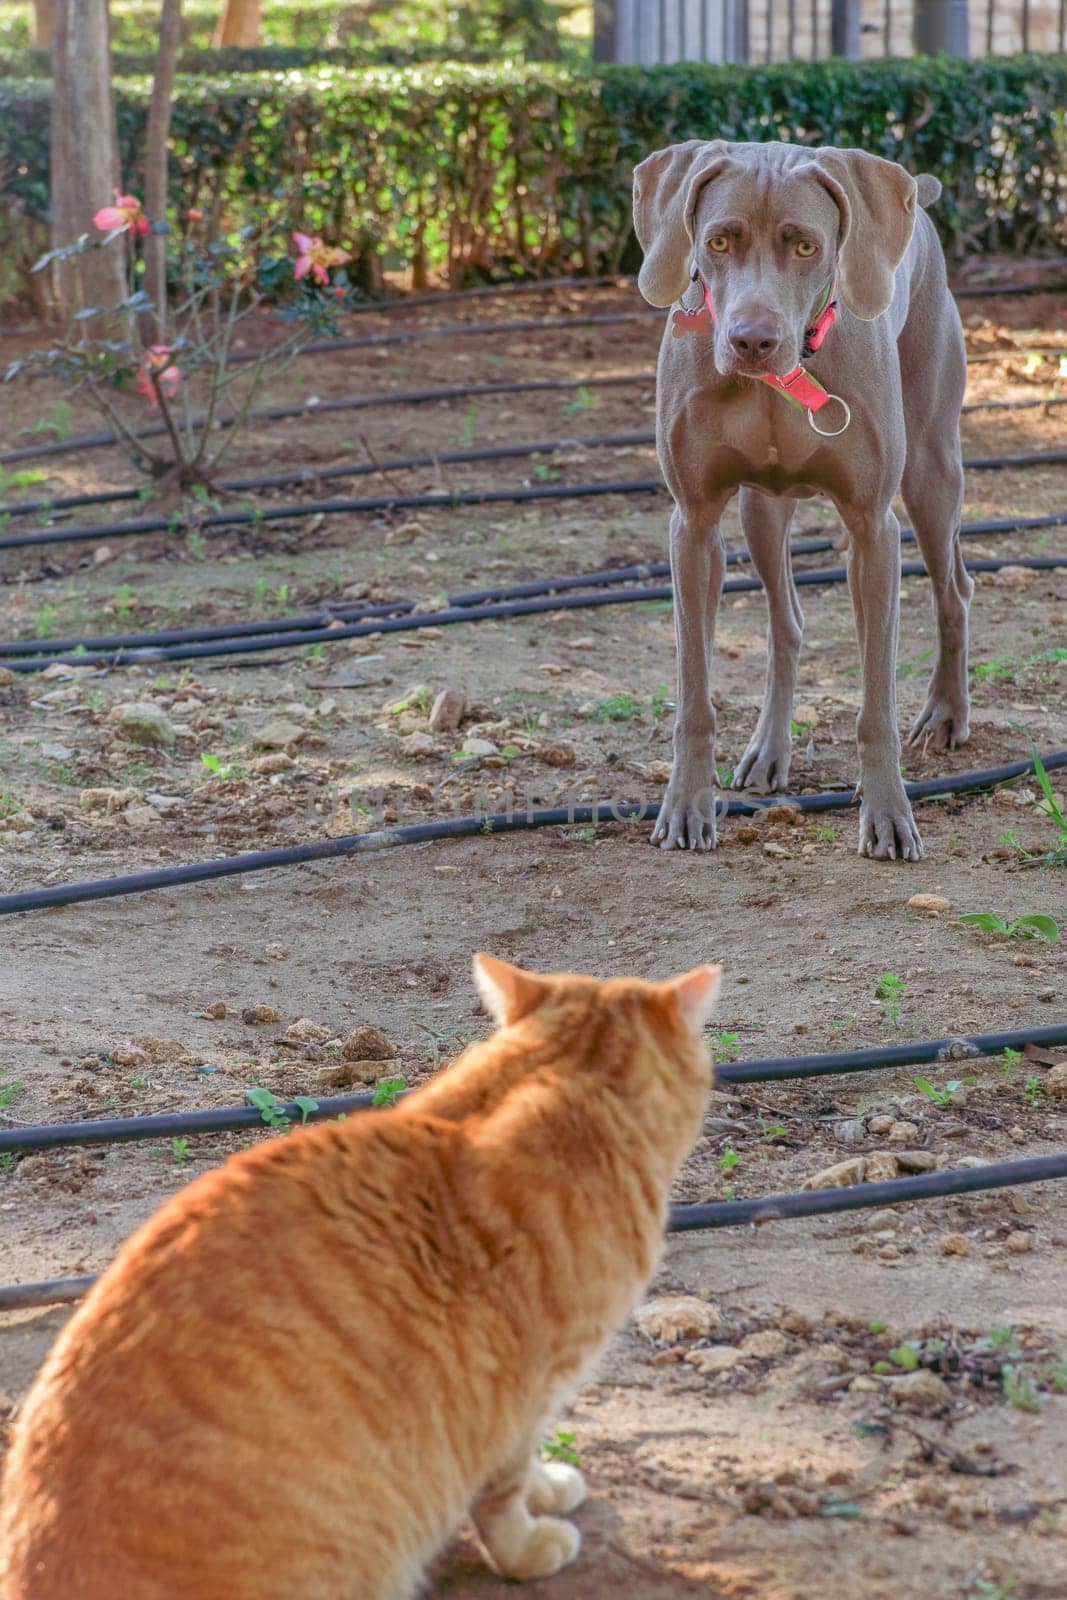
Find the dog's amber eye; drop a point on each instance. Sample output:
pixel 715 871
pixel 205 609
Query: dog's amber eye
pixel 806 249
pixel 719 243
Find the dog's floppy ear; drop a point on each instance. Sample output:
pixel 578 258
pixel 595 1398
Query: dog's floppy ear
pixel 876 199
pixel 666 188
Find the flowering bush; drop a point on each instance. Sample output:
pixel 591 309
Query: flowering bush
pixel 123 358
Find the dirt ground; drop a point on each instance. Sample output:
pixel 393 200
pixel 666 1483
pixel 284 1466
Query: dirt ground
pixel 791 1469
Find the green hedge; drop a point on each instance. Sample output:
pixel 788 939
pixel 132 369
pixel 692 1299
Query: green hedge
pixel 136 26
pixel 517 169
pixel 206 63
pixel 415 29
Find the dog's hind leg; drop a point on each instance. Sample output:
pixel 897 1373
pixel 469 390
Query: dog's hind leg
pixel 765 764
pixel 932 490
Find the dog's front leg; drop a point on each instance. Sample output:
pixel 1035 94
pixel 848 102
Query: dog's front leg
pixel 698 565
pixel 887 827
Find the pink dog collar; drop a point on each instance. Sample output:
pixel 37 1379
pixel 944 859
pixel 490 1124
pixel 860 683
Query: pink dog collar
pixel 798 387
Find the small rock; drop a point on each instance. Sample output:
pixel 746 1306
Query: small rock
pixel 367 1043
pixel 766 1342
pixel 841 1175
pixel 971 1161
pixel 880 1125
pixel 109 799
pixel 160 1049
pixel 162 802
pixel 932 903
pixel 558 755
pixel 129 1055
pixel 863 1383
pixel 418 744
pixel 1056 1082
pixel 658 772
pixel 955 1244
pixel 342 824
pixel 216 1010
pixel 1014 577
pixel 143 723
pixel 1019 1243
pixel 56 752
pixel 922 1389
pixel 881 1167
pixel 716 1358
pixel 264 766
pixel 255 1015
pixel 304 1031
pixel 7 677
pixel 676 1316
pixel 479 747
pixel 345 1073
pixel 278 734
pixel 447 711
pixel 903 1133
pixel 851 1132
pixel 275 952
pixel 1017 1135
pixel 888 1252
pixel 778 851
pixel 915 1160
pixel 142 817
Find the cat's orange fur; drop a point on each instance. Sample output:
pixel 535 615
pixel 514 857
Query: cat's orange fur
pixel 302 1373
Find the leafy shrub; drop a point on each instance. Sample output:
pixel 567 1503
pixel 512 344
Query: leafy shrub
pixel 507 169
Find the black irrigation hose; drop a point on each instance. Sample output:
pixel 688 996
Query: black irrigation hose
pixel 463 330
pixel 357 402
pixel 409 621
pixel 327 508
pixel 499 452
pixel 967 291
pixel 774 1069
pixel 722 1214
pixel 411 397
pixel 364 469
pixel 446 501
pixel 359 610
pixel 482 826
pixel 331 614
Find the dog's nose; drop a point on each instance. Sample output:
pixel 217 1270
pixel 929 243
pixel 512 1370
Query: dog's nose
pixel 755 337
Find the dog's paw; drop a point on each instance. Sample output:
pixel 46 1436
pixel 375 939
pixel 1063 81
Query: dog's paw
pixel 557 1486
pixel 942 724
pixel 888 832
pixel 686 818
pixel 764 767
pixel 548 1545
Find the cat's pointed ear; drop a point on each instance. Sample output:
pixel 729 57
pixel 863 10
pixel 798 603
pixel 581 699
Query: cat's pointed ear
pixel 507 992
pixel 695 994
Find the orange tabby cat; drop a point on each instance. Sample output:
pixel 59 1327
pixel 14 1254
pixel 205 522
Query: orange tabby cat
pixel 303 1372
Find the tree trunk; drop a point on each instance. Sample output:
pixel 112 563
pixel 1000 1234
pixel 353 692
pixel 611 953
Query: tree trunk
pixel 155 179
pixel 84 157
pixel 239 23
pixel 43 29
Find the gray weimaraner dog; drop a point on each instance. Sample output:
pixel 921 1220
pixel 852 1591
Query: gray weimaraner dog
pixel 757 242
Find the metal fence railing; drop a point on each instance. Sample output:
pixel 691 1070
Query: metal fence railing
pixel 646 32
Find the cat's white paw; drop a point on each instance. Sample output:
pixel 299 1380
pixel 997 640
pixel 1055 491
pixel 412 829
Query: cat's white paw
pixel 550 1545
pixel 558 1487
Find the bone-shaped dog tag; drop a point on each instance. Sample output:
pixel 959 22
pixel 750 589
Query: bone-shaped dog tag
pixel 683 322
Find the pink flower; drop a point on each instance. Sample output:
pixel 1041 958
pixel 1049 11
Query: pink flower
pixel 157 362
pixel 195 214
pixel 316 257
pixel 125 216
